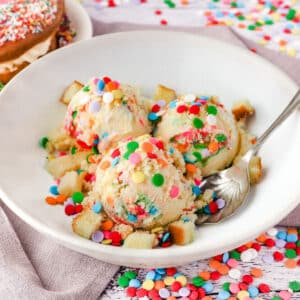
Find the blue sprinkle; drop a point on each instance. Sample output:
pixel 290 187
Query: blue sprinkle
pixel 157 277
pixel 79 171
pixel 204 98
pixel 223 295
pixel 153 210
pixel 185 219
pixel 171 150
pixel 281 235
pixel 161 271
pixel 135 283
pixel 290 26
pixel 225 257
pixel 208 287
pixel 253 291
pixel 150 275
pixel 115 161
pixel 97 207
pixel 166 237
pixel 105 135
pixel 240 5
pixel 173 104
pixel 219 14
pixel 196 190
pixel 292 238
pixel 100 85
pixel 189 158
pixel 214 195
pixel 206 210
pixel 54 190
pixel 211 6
pixel 177 275
pixel 96 141
pixel 152 116
pixel 132 218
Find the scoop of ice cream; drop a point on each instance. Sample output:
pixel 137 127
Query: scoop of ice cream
pixel 201 129
pixel 103 112
pixel 140 183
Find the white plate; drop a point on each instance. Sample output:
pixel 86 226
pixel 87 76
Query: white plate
pixel 80 20
pixel 29 108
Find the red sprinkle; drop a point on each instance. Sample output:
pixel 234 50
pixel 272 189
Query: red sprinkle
pixel 193 295
pixel 153 294
pixel 158 12
pixel 264 288
pixel 166 244
pixel 140 293
pixel 213 207
pixel 115 153
pixel 218 257
pixel 194 110
pixel 278 256
pixel 243 286
pixel 155 108
pixel 201 292
pixel 181 109
pixel 269 243
pixel 70 210
pixel 247 279
pixel 151 155
pixel 106 79
pixel 215 275
pixel 242 248
pixel 256 246
pixel 171 271
pixel 160 145
pixel 163 22
pixel 191 287
pixel 131 291
pixel 290 245
pixel 176 286
pixel 78 208
pixel 83 145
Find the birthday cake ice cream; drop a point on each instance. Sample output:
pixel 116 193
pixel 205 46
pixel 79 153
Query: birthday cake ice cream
pixel 201 129
pixel 141 183
pixel 105 111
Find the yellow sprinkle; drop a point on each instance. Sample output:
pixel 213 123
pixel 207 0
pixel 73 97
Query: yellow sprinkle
pixel 228 23
pixel 260 21
pixel 148 285
pixel 291 52
pixel 260 6
pixel 138 177
pixel 282 49
pixel 276 17
pixel 106 242
pixel 242 294
pixel 263 42
pixel 249 17
pixel 169 280
pixel 295 31
pixel 117 94
pixel 182 279
pixel 157 229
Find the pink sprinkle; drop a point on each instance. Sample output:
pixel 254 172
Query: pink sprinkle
pixel 134 158
pixel 96 80
pixel 232 263
pixel 174 191
pixel 197 181
pixel 234 288
pixel 285 295
pixel 152 140
pixel 141 122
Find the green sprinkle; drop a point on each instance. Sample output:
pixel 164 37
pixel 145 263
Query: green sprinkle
pixel 216 0
pixel 77 197
pixel 1 86
pixel 274 8
pixel 276 298
pixel 251 27
pixel 258 23
pixel 74 114
pixel 298 243
pixel 241 18
pixel 123 281
pixel 233 4
pixel 197 123
pixel 88 157
pixel 197 155
pixel 291 14
pixel 225 286
pixel 235 254
pixel 73 150
pixel 290 253
pixel 269 22
pixel 158 180
pixel 197 281
pixel 130 274
pixel 126 155
pixel 95 150
pixel 212 110
pixel 132 146
pixel 86 88
pixel 200 146
pixel 43 142
pixel 170 3
pixel 294 286
pixel 221 138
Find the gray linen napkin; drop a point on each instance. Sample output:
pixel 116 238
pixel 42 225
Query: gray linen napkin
pixel 33 266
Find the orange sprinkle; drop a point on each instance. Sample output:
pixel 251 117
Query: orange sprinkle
pixel 159 284
pixel 241 26
pixel 107 225
pixel 207 13
pixel 60 199
pixel 282 43
pixel 184 2
pixel 111 86
pixel 253 141
pixel 171 298
pixel 214 264
pixel 162 162
pixel 290 263
pixel 191 168
pixel 292 231
pixel 256 272
pixel 223 269
pixel 181 148
pixel 262 238
pixel 206 298
pixel 249 244
pixel 205 275
pixel 147 147
pixel 213 146
pixel 110 201
pixel 230 298
pixel 51 200
pixel 105 165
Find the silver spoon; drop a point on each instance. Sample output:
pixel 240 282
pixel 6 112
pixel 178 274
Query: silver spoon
pixel 233 184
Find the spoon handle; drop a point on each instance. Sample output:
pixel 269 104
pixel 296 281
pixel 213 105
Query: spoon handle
pixel 279 120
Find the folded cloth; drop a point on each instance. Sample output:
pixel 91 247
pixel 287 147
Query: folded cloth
pixel 33 266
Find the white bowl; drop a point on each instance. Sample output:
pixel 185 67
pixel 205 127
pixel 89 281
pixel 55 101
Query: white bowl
pixel 29 108
pixel 80 20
